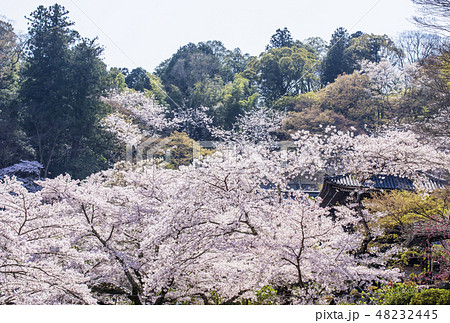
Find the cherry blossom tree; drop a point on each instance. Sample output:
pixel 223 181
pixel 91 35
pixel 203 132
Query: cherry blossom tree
pixel 151 236
pixel 389 83
pixel 389 152
pixel 196 122
pixel 135 117
pixel 124 129
pixel 36 258
pixel 255 127
pixel 214 232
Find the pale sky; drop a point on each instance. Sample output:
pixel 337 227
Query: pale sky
pixel 144 33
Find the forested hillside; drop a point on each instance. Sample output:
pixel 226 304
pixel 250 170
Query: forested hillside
pixel 53 82
pixel 172 186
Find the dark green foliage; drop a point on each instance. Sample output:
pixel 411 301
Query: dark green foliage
pixel 207 92
pixel 228 100
pixel 208 74
pixel 335 62
pixel 282 38
pixel 346 51
pixel 369 47
pixel 390 294
pixel 234 62
pixel 137 79
pixel 285 71
pixel 191 64
pixel 194 67
pixel 63 80
pixel 9 54
pixel 13 141
pixel 237 98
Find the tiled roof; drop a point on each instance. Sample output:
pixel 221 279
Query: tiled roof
pixel 385 182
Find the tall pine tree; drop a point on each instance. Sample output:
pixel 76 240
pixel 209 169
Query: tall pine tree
pixel 335 62
pixel 63 80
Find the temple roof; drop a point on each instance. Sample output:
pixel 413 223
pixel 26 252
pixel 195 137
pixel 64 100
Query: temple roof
pixel 389 182
pixel 336 189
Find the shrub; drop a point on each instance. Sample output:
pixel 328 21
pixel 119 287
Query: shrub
pixel 432 296
pixel 398 294
pixel 390 294
pixel 266 296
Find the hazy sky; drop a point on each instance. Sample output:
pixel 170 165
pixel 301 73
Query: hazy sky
pixel 144 33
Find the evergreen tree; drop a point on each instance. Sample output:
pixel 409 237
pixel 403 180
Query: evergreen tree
pixel 335 61
pixel 138 79
pixel 63 80
pixel 12 139
pixel 282 38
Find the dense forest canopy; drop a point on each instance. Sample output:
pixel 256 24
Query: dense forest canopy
pixel 123 186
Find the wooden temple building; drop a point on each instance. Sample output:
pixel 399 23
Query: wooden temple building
pixel 338 190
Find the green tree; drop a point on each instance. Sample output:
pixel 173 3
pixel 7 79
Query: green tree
pixel 235 62
pixel 13 141
pixel 179 150
pixel 285 71
pixel 370 47
pixel 189 65
pixel 207 92
pixel 195 66
pixel 417 219
pixel 138 79
pixel 116 79
pixel 9 54
pixel 348 95
pixel 345 52
pixel 432 296
pixel 157 89
pixel 403 208
pixel 335 62
pixel 237 98
pixel 317 44
pixel 227 100
pixel 63 80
